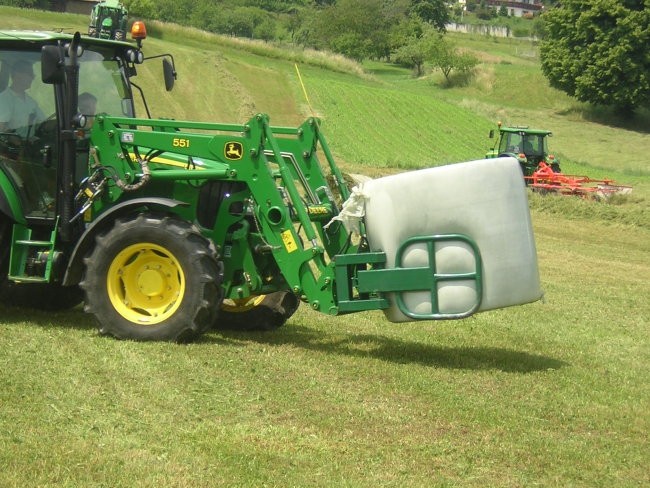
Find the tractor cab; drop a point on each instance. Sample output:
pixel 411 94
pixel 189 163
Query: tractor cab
pixel 33 119
pixel 528 146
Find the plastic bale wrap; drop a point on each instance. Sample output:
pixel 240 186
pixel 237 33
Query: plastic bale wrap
pixel 484 200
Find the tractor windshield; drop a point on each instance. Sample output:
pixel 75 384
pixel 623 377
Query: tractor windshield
pixel 532 145
pixel 102 80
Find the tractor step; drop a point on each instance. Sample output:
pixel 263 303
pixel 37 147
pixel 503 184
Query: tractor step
pixel 33 243
pixel 31 260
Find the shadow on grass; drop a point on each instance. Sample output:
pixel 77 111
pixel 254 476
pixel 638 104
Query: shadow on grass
pixel 354 345
pixel 73 318
pixel 637 120
pixel 395 350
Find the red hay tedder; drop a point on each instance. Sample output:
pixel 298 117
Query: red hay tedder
pixel 545 180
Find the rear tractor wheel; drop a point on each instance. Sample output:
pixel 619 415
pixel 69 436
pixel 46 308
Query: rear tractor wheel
pixel 153 278
pixel 262 312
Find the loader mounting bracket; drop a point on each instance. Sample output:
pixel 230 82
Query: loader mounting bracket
pixel 367 275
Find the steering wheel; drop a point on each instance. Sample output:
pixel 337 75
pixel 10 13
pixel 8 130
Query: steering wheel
pixel 47 129
pixel 11 144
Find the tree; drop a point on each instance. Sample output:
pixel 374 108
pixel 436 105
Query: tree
pixel 241 21
pixel 434 49
pixel 41 4
pixel 484 11
pixel 417 51
pixel 404 32
pixel 141 8
pixel 434 12
pixel 265 30
pixel 177 11
pixel 356 28
pixel 447 58
pixel 597 51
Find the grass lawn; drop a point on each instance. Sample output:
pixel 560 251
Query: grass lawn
pixel 551 393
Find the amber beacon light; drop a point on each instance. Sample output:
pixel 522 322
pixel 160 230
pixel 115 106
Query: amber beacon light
pixel 138 30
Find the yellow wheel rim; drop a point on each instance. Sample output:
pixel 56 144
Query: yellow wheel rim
pixel 238 305
pixel 145 283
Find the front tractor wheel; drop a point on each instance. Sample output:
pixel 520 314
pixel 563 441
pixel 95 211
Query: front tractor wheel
pixel 153 278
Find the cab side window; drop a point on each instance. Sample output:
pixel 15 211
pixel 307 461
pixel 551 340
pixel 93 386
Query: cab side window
pixel 28 132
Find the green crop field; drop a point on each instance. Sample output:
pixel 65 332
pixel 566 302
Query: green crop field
pixel 553 393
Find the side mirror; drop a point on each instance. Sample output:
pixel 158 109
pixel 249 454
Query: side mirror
pixel 52 66
pixel 169 73
pixel 491 136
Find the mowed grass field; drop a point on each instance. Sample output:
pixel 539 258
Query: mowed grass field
pixel 553 393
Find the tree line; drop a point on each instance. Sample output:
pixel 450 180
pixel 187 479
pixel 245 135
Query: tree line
pixel 359 29
pixel 595 50
pixel 408 32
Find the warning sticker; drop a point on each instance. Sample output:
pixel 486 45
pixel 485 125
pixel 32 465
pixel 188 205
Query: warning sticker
pixel 289 241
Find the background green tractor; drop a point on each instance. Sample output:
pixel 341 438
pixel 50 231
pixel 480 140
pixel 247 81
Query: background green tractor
pixel 528 146
pixel 108 20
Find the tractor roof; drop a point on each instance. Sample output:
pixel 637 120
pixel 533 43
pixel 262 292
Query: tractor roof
pixel 38 38
pixel 116 4
pixel 527 130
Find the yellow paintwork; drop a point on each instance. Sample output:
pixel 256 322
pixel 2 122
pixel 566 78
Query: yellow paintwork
pixel 242 304
pixel 145 284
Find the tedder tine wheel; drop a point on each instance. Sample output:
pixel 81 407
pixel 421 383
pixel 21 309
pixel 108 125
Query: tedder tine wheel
pixel 262 312
pixel 153 277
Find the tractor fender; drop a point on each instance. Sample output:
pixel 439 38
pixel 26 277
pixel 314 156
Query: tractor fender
pixel 9 200
pixel 73 272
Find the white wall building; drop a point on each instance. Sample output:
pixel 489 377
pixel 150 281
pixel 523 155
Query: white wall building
pixel 520 8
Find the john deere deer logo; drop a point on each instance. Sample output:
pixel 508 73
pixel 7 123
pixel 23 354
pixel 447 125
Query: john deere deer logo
pixel 233 150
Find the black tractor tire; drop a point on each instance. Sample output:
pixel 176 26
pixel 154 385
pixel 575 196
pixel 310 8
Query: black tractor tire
pixel 153 277
pixel 555 167
pixel 263 312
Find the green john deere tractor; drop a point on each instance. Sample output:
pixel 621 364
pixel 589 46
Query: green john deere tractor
pixel 108 20
pixel 528 146
pixel 166 228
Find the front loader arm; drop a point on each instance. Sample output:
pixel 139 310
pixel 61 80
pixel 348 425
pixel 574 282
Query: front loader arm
pixel 289 195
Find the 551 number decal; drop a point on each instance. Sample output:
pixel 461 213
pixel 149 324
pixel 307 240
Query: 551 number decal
pixel 181 143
